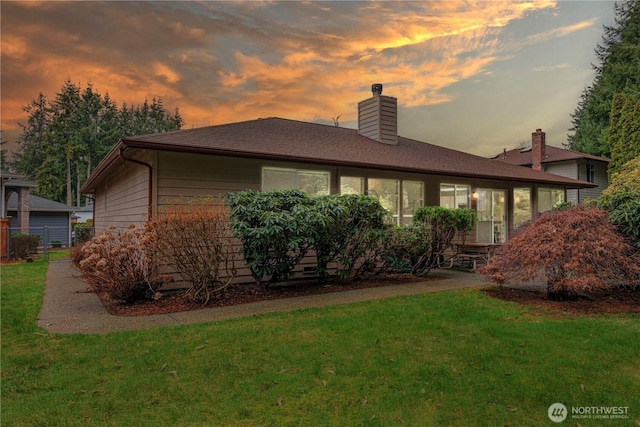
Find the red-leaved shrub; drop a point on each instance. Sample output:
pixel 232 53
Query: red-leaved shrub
pixel 574 250
pixel 121 263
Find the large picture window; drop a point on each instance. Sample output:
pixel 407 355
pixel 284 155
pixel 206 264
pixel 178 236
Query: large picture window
pixel 388 192
pixel 454 196
pixel 314 183
pixel 548 198
pixel 351 185
pixel 521 206
pixel 412 199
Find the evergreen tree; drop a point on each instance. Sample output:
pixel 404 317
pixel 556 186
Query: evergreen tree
pixel 624 131
pixel 33 139
pixel 618 71
pixel 3 152
pixel 64 139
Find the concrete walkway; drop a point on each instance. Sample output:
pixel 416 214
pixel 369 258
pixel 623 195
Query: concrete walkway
pixel 70 307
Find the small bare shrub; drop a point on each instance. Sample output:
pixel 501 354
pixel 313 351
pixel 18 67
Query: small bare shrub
pixel 574 250
pixel 21 245
pixel 121 263
pixel 195 239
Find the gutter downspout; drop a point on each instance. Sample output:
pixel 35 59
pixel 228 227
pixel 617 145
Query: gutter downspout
pixel 150 168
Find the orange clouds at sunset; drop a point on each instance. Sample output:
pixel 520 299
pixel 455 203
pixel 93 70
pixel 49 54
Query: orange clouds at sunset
pixel 225 61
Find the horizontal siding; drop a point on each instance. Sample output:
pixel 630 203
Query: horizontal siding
pixel 123 200
pixel 184 175
pixel 368 118
pixel 601 180
pixel 566 169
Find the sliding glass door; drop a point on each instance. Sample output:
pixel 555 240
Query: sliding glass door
pixel 492 216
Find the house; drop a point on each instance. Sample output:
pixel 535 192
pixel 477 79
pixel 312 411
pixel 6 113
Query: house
pixel 14 184
pixel 23 212
pixel 11 183
pixel 83 214
pixel 49 219
pixel 143 173
pixel 558 161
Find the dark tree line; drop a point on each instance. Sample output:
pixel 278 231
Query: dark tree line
pixel 65 138
pixel 618 72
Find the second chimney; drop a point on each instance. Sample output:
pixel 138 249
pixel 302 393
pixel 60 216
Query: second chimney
pixel 378 117
pixel 538 149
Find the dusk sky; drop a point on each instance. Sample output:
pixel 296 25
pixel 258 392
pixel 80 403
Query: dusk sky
pixel 476 76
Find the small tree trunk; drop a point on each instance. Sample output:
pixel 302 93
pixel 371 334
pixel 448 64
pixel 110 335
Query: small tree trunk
pixel 78 186
pixel 69 195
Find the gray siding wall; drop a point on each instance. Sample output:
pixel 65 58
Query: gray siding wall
pixel 57 224
pixel 184 176
pixel 601 180
pixel 568 169
pixel 123 199
pixel 577 169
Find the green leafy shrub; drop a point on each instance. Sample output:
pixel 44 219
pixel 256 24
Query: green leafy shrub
pixel 347 229
pixel 563 206
pixel 274 230
pixel 195 239
pixel 22 245
pixel 575 250
pixel 279 228
pixel 83 232
pixel 622 200
pixel 405 245
pixel 121 263
pixel 446 226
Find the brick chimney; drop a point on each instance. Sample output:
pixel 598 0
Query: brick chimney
pixel 378 117
pixel 538 149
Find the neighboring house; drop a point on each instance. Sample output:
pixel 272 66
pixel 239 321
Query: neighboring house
pixel 14 184
pixel 558 161
pixel 144 173
pixel 83 214
pixel 48 219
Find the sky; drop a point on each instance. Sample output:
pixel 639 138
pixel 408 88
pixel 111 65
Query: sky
pixel 475 76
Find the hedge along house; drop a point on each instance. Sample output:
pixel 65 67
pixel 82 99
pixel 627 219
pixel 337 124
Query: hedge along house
pixel 144 173
pixel 558 161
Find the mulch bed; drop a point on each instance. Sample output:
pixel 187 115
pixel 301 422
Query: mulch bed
pixel 622 300
pixel 613 301
pixel 237 294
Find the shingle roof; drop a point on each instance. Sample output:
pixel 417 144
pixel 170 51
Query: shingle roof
pixel 40 204
pixel 285 139
pixel 522 156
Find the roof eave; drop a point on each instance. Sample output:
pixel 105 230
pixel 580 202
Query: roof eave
pixel 96 176
pixel 131 143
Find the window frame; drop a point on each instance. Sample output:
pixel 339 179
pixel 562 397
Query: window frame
pixel 363 182
pixel 551 191
pixel 590 173
pixel 297 171
pixel 408 219
pixel 456 187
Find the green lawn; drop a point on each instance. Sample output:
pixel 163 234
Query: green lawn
pixel 451 358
